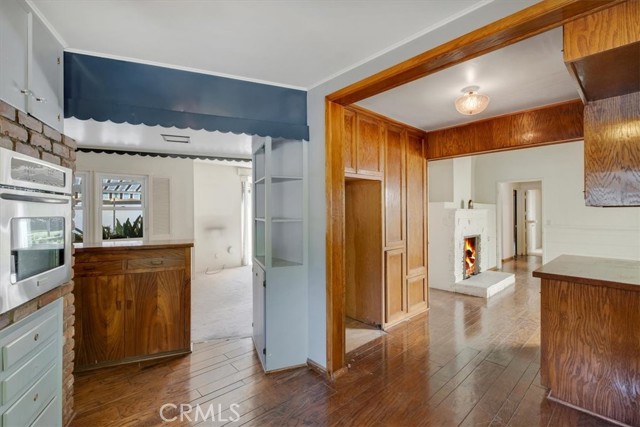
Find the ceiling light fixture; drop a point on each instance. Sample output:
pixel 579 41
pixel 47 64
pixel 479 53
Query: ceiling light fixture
pixel 471 102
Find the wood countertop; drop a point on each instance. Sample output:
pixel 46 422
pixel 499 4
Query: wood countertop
pixel 131 244
pixel 612 273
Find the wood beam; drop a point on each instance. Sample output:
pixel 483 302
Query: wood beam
pixel 541 126
pixel 529 22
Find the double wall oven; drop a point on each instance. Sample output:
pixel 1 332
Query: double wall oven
pixel 35 227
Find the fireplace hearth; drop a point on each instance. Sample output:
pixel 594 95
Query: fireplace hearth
pixel 471 256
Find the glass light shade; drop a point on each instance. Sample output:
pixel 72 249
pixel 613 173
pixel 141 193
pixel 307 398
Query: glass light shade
pixel 471 102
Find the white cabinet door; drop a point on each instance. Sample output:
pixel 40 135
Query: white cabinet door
pixel 46 100
pixel 259 338
pixel 14 53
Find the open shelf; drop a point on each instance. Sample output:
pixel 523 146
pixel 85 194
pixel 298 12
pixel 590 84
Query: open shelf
pixel 275 179
pixel 259 180
pixel 259 219
pixel 286 219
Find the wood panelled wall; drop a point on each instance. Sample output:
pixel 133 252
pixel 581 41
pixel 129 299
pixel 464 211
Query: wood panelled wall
pixel 541 126
pixel 378 149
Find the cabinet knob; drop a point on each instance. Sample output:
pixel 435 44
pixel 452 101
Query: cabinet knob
pixel 157 262
pixel 38 99
pixel 35 397
pixel 25 91
pixel 36 336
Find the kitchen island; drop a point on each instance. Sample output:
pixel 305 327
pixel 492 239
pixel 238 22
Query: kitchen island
pixel 133 301
pixel 590 335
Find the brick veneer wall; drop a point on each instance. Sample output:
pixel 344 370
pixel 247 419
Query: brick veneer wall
pixel 25 134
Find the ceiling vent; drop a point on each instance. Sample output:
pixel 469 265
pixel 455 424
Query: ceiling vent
pixel 182 139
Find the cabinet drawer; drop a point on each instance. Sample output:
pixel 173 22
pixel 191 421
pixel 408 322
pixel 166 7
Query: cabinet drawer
pixel 159 263
pixel 20 347
pixel 28 373
pixel 33 401
pixel 98 267
pixel 51 416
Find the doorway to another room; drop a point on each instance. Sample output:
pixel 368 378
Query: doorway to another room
pixel 221 291
pixel 520 219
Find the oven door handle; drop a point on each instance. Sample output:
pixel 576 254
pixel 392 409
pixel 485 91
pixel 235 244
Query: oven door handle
pixel 35 199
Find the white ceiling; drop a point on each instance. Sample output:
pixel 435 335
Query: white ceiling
pixel 123 136
pixel 525 75
pixel 287 42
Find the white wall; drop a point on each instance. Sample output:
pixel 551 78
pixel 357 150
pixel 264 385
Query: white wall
pixel 569 226
pixel 180 171
pixel 441 181
pixel 216 216
pixel 462 181
pixel 486 13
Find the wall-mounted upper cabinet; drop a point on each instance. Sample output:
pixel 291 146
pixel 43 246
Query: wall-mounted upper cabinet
pixel 363 145
pixel 602 51
pixel 32 81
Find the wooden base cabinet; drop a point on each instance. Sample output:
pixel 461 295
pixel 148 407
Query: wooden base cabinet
pixel 131 304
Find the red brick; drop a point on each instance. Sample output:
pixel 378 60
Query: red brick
pixel 49 297
pixel 7 111
pixel 50 132
pixel 12 130
pixel 40 140
pixel 61 150
pixel 51 158
pixel 72 155
pixel 6 143
pixel 29 121
pixel 27 149
pixel 68 164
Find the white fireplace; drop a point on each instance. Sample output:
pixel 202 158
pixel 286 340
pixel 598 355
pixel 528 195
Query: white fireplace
pixel 447 231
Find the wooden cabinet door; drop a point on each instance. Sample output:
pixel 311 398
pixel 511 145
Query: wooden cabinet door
pixel 155 312
pixel 369 145
pixel 417 293
pixel 349 141
pixel 416 207
pixel 394 188
pixel 99 326
pixel 395 295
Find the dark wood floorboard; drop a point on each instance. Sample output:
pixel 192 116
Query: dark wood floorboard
pixel 468 362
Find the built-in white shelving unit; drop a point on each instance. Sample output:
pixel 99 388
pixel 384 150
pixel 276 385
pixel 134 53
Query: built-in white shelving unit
pixel 280 251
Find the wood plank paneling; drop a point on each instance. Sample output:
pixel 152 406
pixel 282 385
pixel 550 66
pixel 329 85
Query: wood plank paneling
pixel 542 126
pixel 349 141
pixel 590 343
pixel 416 206
pixel 100 321
pixel 370 144
pixel 395 290
pixel 612 151
pixel 394 186
pixel 363 254
pixel 607 29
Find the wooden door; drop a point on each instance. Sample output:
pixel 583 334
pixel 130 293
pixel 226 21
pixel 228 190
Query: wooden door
pixel 395 295
pixel 99 326
pixel 154 312
pixel 369 145
pixel 349 141
pixel 416 207
pixel 394 188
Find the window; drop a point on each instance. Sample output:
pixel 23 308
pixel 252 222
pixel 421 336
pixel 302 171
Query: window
pixel 121 206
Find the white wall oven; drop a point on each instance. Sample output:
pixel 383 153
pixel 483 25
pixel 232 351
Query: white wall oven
pixel 35 228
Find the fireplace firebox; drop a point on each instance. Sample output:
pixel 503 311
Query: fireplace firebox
pixel 471 256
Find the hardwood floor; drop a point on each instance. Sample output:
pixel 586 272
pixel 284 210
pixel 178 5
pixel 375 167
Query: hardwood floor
pixel 468 362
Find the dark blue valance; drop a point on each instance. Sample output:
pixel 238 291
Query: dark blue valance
pixel 120 91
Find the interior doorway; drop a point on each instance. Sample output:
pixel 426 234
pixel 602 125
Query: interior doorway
pixel 520 219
